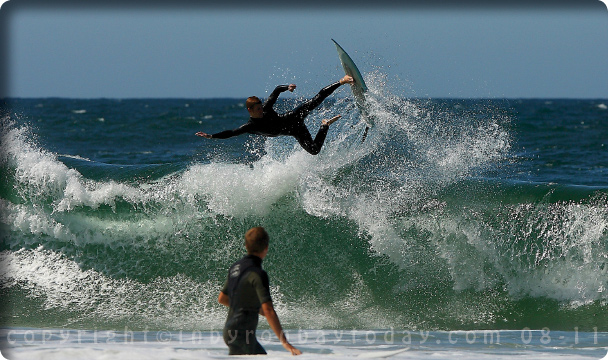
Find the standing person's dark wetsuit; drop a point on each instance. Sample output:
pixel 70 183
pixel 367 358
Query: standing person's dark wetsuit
pixel 247 287
pixel 270 123
pixel 247 295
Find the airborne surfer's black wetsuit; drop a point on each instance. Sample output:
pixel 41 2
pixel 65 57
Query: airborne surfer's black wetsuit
pixel 247 288
pixel 290 123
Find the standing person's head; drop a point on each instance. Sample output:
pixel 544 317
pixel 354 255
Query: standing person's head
pixel 254 106
pixel 256 241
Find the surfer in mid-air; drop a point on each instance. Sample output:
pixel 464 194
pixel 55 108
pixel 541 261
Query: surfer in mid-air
pixel 265 121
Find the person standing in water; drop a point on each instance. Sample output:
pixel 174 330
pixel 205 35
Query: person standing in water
pixel 247 294
pixel 265 121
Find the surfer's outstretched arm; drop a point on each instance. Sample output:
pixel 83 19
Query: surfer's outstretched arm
pixel 275 95
pixel 225 134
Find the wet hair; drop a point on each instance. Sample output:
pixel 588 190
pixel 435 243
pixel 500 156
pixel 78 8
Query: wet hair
pixel 252 100
pixel 256 240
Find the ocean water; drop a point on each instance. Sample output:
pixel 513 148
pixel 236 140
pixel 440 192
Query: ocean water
pixel 453 222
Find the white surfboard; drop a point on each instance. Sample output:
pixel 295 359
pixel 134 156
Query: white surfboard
pixel 358 87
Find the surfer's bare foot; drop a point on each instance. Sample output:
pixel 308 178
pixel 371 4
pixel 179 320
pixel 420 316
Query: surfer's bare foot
pixel 347 79
pixel 330 121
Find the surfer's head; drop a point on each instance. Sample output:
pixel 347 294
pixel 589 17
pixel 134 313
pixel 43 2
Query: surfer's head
pixel 256 241
pixel 254 106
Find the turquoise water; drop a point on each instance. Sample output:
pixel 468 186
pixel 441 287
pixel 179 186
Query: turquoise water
pixel 453 215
